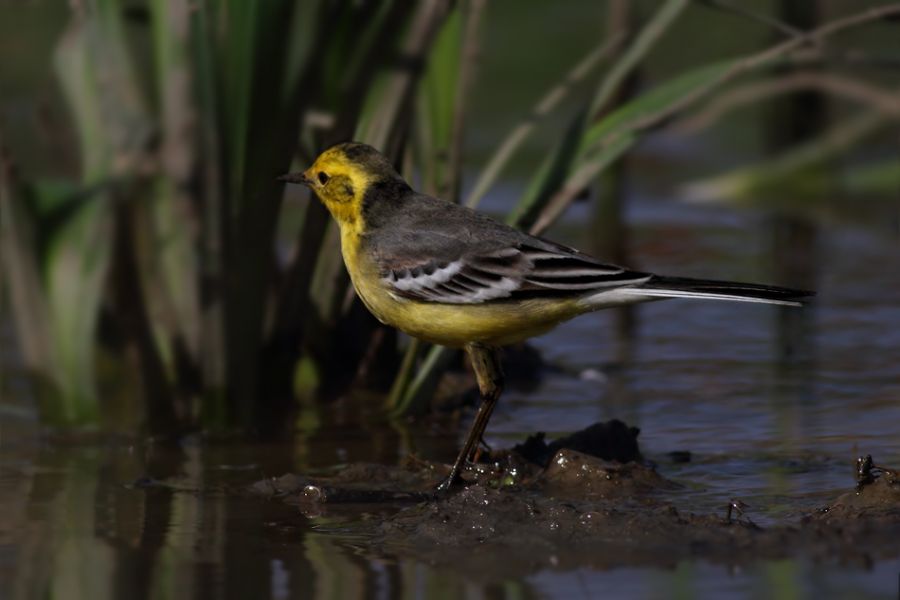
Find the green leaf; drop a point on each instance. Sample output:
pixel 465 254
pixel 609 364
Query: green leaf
pixel 548 102
pixel 661 21
pixel 75 271
pixel 20 271
pixel 98 81
pixel 794 177
pixel 580 180
pixel 422 386
pixel 439 83
pixel 170 279
pixel 877 179
pixel 653 102
pixel 436 106
pixel 551 175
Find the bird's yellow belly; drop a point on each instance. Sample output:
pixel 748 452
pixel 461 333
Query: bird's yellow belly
pixel 454 325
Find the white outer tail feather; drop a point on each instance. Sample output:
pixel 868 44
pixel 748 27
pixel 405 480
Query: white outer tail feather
pixel 663 293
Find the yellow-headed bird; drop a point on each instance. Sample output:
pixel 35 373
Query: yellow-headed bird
pixel 446 274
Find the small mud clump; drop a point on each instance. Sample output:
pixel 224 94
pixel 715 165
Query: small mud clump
pixel 612 440
pixel 877 496
pixel 588 499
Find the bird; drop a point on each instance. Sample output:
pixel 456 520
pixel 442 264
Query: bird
pixel 450 275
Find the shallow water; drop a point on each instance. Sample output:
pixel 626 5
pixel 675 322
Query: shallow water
pixel 778 430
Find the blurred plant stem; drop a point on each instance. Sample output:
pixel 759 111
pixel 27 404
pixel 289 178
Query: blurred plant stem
pixel 795 258
pixel 876 98
pixel 517 136
pixel 610 233
pixel 441 125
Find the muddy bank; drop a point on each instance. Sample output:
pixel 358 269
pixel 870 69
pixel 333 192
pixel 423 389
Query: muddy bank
pixel 586 500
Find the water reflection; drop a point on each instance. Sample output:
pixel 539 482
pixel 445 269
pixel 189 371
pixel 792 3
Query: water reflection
pixel 118 521
pixel 112 520
pixel 121 521
pixel 795 258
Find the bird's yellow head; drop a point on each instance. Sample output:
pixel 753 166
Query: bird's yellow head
pixel 342 176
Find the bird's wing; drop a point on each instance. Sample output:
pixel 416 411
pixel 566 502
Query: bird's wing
pixel 529 268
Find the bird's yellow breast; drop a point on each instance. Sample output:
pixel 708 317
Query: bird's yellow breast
pixel 454 325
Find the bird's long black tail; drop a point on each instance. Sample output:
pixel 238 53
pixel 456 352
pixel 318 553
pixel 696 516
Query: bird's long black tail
pixel 683 287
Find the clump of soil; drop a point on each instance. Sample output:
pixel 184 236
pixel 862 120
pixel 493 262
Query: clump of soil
pixel 585 500
pixel 877 499
pixel 612 440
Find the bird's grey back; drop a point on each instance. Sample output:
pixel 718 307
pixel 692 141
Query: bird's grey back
pixel 418 226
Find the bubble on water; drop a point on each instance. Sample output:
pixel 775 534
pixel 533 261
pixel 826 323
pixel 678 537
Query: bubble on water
pixel 313 492
pixel 588 517
pixel 592 375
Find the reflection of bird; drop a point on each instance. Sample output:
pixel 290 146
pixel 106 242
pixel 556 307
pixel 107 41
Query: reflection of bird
pixel 449 275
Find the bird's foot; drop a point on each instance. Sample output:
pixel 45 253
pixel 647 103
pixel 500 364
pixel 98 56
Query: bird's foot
pixel 453 481
pixel 479 452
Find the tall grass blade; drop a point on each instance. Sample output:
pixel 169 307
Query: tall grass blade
pixel 95 73
pixel 652 106
pixel 552 174
pixel 437 100
pixel 422 386
pixel 20 270
pixel 658 25
pixel 392 106
pixel 564 168
pixel 443 97
pixel 579 180
pixel 172 283
pixel 214 203
pixel 260 120
pixel 548 102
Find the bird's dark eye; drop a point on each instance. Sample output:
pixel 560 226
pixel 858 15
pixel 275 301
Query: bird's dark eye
pixel 323 178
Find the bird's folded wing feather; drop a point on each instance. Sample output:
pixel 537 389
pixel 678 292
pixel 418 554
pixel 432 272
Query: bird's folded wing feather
pixel 528 268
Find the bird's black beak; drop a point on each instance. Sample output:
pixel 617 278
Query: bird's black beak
pixel 298 177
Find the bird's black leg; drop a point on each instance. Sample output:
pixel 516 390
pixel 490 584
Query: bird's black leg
pixel 486 364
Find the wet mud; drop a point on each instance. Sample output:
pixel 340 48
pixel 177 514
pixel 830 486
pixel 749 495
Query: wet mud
pixel 587 500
